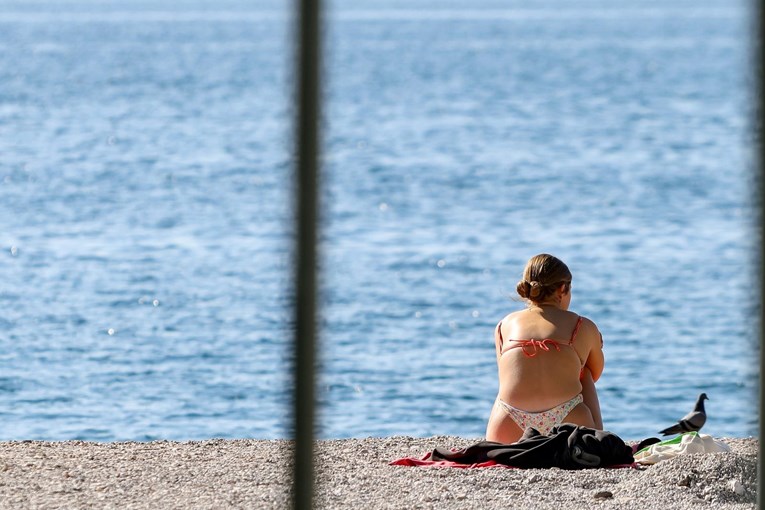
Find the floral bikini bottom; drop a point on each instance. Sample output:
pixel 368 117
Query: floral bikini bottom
pixel 543 421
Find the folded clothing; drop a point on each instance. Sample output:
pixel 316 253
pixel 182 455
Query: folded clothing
pixel 689 442
pixel 566 446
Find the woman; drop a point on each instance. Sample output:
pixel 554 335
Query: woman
pixel 548 358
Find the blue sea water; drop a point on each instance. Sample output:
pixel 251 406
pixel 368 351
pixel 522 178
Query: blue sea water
pixel 145 211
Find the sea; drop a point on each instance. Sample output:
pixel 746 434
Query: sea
pixel 146 211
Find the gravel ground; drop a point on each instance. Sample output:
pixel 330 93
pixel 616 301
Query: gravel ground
pixel 351 473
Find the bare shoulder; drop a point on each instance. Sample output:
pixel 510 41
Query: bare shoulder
pixel 589 330
pixel 588 324
pixel 510 317
pixel 508 322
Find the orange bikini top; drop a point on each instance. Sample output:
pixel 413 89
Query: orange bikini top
pixel 531 346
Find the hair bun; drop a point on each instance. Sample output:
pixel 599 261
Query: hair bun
pixel 529 290
pixel 542 275
pixel 523 289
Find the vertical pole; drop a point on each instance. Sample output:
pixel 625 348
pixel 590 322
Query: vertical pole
pixel 307 139
pixel 759 41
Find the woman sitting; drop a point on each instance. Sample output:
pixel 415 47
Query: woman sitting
pixel 548 358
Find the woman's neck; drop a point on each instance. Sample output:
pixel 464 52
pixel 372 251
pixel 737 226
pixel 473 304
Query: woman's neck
pixel 546 304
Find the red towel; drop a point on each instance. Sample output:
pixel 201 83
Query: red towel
pixel 426 462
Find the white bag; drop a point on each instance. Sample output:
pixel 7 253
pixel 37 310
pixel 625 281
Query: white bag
pixel 690 442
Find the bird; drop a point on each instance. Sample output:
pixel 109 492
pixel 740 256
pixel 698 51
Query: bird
pixel 692 421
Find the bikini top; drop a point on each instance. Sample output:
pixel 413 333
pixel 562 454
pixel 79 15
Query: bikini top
pixel 531 346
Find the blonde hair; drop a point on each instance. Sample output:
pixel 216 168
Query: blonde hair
pixel 542 276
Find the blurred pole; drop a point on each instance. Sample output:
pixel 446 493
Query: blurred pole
pixel 760 213
pixel 307 139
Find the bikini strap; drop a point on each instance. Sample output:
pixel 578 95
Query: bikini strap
pixel 576 330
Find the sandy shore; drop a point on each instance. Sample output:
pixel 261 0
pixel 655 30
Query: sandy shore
pixel 351 473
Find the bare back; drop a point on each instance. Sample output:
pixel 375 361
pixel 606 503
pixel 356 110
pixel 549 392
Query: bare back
pixel 540 356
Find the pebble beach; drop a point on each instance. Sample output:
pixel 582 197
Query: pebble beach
pixel 351 473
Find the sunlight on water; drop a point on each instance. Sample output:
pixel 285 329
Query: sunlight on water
pixel 145 219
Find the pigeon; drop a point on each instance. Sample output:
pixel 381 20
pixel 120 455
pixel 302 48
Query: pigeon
pixel 692 421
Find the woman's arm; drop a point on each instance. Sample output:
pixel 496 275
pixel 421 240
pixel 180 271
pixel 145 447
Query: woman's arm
pixel 498 340
pixel 595 359
pixel 591 372
pixel 590 396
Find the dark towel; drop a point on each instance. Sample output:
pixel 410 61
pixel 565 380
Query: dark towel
pixel 567 446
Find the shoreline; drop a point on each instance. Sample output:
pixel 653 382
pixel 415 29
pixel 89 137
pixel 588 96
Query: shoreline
pixel 350 473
